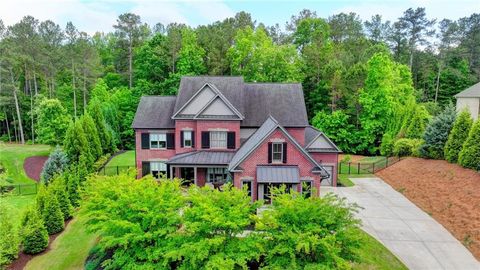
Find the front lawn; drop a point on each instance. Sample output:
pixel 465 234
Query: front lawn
pixel 124 159
pixel 12 157
pixel 68 251
pixel 373 255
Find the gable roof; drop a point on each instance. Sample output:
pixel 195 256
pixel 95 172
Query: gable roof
pixel 472 91
pixel 317 141
pixel 284 101
pixel 154 112
pixel 257 138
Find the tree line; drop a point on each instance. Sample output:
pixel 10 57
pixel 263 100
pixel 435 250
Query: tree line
pixel 350 69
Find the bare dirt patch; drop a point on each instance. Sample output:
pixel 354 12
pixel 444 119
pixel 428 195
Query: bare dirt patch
pixel 447 192
pixel 33 166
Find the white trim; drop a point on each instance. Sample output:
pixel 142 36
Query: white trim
pixel 211 102
pixel 189 100
pixel 334 146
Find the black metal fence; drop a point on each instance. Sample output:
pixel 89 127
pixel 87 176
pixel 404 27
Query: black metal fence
pixel 19 189
pixel 114 170
pixel 366 167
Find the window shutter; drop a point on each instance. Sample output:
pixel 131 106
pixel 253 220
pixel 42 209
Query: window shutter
pixel 284 150
pixel 269 152
pixel 193 139
pixel 145 168
pixel 231 140
pixel 181 139
pixel 168 171
pixel 170 140
pixel 145 141
pixel 205 139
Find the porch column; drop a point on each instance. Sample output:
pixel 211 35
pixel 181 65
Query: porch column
pixel 171 172
pixel 195 175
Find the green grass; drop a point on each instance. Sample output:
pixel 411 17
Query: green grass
pixel 124 159
pixel 372 159
pixel 69 251
pixel 344 179
pixel 373 255
pixel 12 157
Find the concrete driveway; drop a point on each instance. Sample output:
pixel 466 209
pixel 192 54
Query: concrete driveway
pixel 411 234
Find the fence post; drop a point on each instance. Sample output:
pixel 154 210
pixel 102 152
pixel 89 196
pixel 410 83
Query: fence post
pixel 340 169
pixel 358 168
pixel 349 166
pixel 117 170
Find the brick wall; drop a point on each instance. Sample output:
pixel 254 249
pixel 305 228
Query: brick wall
pixel 298 134
pixel 260 157
pixel 149 154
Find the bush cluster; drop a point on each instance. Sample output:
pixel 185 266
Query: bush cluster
pixel 407 147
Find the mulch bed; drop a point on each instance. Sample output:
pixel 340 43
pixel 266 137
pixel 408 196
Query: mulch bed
pixel 33 166
pixel 23 258
pixel 447 192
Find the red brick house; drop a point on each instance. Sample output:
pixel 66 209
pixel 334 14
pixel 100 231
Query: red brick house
pixel 221 129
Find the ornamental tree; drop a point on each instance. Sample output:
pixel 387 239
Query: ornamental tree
pixel 436 133
pixel 33 234
pixel 53 121
pixel 56 163
pixel 458 135
pixel 469 157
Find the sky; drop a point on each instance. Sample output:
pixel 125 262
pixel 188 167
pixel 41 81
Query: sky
pixel 92 16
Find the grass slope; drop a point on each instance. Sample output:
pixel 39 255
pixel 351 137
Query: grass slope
pixel 373 255
pixel 69 251
pixel 124 159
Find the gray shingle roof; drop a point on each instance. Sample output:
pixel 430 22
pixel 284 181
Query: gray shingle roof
pixel 278 174
pixel 230 86
pixel 154 112
pixel 284 101
pixel 203 158
pixel 326 145
pixel 257 137
pixel 472 91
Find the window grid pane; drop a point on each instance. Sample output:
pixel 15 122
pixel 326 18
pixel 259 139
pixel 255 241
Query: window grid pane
pixel 187 138
pixel 158 140
pixel 277 151
pixel 218 139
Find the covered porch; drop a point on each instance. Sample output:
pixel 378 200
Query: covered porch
pixel 202 167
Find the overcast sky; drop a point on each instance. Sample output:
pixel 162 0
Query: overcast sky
pixel 91 16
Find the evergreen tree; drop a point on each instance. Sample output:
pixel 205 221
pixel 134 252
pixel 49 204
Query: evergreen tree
pixel 34 235
pixel 72 179
pixel 8 238
pixel 50 211
pixel 469 157
pixel 91 134
pixel 436 133
pixel 458 135
pixel 416 125
pixel 55 165
pixel 106 140
pixel 76 143
pixel 58 189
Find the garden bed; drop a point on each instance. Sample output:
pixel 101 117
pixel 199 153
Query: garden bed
pixel 33 166
pixel 447 192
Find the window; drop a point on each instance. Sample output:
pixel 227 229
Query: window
pixel 187 139
pixel 267 190
pixel 217 175
pixel 248 185
pixel 158 141
pixel 218 139
pixel 307 189
pixel 277 152
pixel 158 168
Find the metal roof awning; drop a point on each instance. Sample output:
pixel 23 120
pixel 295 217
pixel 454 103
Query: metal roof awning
pixel 278 174
pixel 202 158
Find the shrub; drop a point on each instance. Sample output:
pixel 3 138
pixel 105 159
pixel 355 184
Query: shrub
pixel 386 147
pixel 436 133
pixel 34 235
pixel 304 233
pixel 58 189
pixel 407 147
pixel 8 238
pixel 49 209
pixel 470 155
pixel 458 135
pixel 55 164
pixel 346 158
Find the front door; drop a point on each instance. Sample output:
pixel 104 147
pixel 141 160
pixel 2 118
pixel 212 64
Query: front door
pixel 188 175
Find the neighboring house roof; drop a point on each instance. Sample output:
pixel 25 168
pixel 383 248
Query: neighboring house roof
pixel 155 112
pixel 317 141
pixel 202 158
pixel 284 101
pixel 257 138
pixel 472 91
pixel 278 174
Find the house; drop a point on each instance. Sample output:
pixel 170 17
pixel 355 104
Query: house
pixel 470 99
pixel 220 129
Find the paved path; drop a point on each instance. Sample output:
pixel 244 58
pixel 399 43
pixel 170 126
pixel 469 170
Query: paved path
pixel 411 234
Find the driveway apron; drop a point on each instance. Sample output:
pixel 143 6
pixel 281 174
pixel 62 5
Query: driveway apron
pixel 413 236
